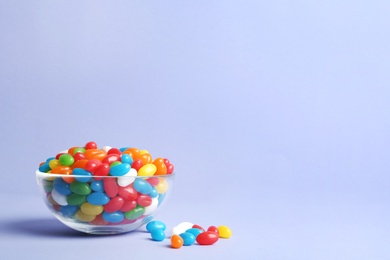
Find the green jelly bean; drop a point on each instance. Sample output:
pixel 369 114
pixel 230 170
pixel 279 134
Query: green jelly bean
pixel 76 199
pixel 137 212
pixel 79 150
pixel 66 159
pixel 114 163
pixel 81 188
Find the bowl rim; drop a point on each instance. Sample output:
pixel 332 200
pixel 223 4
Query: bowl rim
pixel 47 174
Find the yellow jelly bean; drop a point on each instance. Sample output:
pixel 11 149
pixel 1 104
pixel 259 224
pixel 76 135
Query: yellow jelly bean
pixel 90 209
pixel 147 170
pixel 162 185
pixel 224 232
pixel 54 163
pixel 143 151
pixel 81 216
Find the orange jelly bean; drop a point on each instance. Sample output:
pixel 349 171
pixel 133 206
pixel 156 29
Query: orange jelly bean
pixel 144 157
pixel 132 152
pixel 176 241
pixel 80 164
pixel 95 154
pixel 161 167
pixel 62 170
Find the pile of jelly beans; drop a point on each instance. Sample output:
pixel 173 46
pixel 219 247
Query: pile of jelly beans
pixel 80 189
pixel 187 233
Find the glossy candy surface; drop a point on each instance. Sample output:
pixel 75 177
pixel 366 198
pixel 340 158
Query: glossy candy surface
pixel 176 241
pixel 207 238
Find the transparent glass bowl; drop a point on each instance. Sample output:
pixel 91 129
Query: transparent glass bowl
pixel 104 205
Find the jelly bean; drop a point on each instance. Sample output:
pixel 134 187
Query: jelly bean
pixel 49 159
pixel 128 205
pixel 66 159
pixel 69 210
pixel 44 167
pixel 158 234
pixel 213 229
pixel 114 217
pixel 71 150
pixel 188 238
pixel 79 156
pixel 60 153
pixel 95 154
pixel 132 152
pixel 198 227
pixel 97 185
pixel 137 164
pixel 122 149
pixel 61 170
pixel 114 204
pixel 161 168
pixel 152 207
pixel 101 170
pixel 194 231
pixel 128 178
pixel 82 217
pixel 181 228
pixel 153 193
pixel 52 201
pixel 98 198
pixel 75 199
pixel 80 164
pixel 114 151
pixel 62 187
pixel 78 150
pixel 80 188
pixel 54 163
pixel 127 192
pixel 126 159
pixel 92 164
pixel 162 185
pixel 99 221
pixel 147 170
pixel 207 238
pixel 135 213
pixel 82 175
pixel 120 169
pixel 59 198
pixel 224 231
pixel 144 157
pixel 115 163
pixel 142 186
pixel 144 200
pixel 110 158
pixel 143 151
pixel 155 224
pixel 106 148
pixel 170 167
pixel 89 209
pixel 110 187
pixel 91 145
pixel 176 241
pixel 153 181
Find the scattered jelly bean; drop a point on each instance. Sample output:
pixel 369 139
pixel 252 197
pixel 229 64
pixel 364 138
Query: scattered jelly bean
pixel 213 229
pixel 98 198
pixel 194 231
pixel 188 238
pixel 207 238
pixel 199 227
pixel 157 234
pixel 114 217
pixel 61 186
pixel 155 224
pixel 181 228
pixel 142 186
pixel 120 169
pixel 224 231
pixel 66 159
pixel 176 241
pixel 89 209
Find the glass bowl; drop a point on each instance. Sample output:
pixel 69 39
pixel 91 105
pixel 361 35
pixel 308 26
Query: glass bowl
pixel 104 205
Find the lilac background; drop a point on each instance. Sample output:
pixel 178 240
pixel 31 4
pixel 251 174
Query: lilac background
pixel 275 114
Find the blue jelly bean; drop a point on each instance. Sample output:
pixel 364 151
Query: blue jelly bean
pixel 97 185
pixel 194 231
pixel 120 169
pixel 142 186
pixel 82 172
pixel 49 159
pixel 123 149
pixel 98 198
pixel 126 159
pixel 113 217
pixel 153 193
pixel 44 167
pixel 69 210
pixel 155 224
pixel 188 238
pixel 158 234
pixel 61 186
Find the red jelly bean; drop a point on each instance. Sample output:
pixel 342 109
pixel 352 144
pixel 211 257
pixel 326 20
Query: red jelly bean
pixel 128 205
pixel 207 238
pixel 98 221
pixel 114 204
pixel 102 170
pixel 199 227
pixel 114 151
pixel 91 145
pixel 144 200
pixel 128 192
pixel 58 156
pixel 154 181
pixel 92 164
pixel 170 168
pixel 213 229
pixel 137 164
pixel 79 156
pixel 111 158
pixel 110 187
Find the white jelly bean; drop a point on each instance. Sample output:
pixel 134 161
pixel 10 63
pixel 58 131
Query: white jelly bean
pixel 150 209
pixel 106 148
pixel 59 198
pixel 127 179
pixel 181 228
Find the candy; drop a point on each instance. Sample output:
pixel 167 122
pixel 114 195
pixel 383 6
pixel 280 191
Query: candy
pixel 76 199
pixel 80 188
pixel 157 234
pixel 135 213
pixel 148 169
pixel 114 204
pixel 155 224
pixel 194 231
pixel 188 238
pixel 176 241
pixel 181 228
pixel 120 169
pixel 98 198
pixel 66 159
pixel 142 186
pixel 152 207
pixel 213 229
pixel 114 217
pixel 90 209
pixel 207 238
pixel 61 186
pixel 110 187
pixel 224 231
